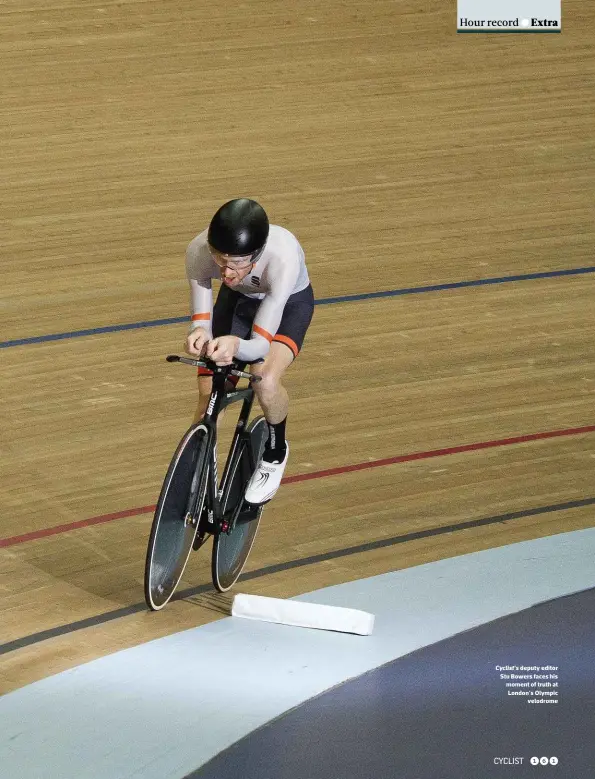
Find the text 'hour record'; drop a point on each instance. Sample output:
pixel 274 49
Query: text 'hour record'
pixel 509 16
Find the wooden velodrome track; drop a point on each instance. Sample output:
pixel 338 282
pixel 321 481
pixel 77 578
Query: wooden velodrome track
pixel 402 156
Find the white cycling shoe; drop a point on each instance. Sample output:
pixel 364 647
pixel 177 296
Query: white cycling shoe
pixel 265 481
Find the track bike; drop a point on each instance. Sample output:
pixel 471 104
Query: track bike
pixel 193 505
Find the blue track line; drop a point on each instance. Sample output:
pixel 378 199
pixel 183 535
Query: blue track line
pixel 389 293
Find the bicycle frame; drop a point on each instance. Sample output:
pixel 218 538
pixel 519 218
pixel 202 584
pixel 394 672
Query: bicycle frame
pixel 193 505
pixel 221 398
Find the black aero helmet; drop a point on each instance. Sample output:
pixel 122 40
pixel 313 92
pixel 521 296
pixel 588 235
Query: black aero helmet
pixel 239 227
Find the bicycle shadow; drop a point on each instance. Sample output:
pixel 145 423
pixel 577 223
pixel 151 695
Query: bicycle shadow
pixel 218 602
pixel 92 568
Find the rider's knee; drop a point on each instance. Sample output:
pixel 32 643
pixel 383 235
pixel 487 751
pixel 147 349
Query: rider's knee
pixel 269 383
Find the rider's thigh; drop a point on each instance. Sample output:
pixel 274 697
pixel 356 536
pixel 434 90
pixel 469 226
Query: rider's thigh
pixel 275 363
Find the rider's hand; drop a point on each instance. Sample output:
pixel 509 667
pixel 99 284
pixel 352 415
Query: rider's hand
pixel 196 342
pixel 222 350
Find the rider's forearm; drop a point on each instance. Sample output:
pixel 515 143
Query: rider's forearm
pixel 253 349
pixel 201 306
pixel 203 324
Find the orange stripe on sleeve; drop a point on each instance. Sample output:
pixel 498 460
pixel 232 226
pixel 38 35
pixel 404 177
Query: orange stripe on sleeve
pixel 196 317
pixel 288 342
pixel 259 331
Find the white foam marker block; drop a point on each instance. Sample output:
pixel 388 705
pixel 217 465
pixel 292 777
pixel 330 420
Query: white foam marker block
pixel 301 614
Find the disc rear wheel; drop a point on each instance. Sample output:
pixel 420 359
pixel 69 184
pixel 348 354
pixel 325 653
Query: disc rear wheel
pixel 231 550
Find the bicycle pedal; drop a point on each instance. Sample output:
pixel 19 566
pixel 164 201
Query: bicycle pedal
pixel 250 511
pixel 254 506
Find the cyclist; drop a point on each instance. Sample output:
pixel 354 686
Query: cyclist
pixel 263 310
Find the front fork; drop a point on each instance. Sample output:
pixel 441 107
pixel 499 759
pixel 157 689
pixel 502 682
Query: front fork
pixel 196 489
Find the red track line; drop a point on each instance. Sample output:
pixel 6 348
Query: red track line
pixel 438 453
pixel 50 531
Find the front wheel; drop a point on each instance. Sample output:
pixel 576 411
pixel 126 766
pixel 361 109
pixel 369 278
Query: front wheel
pixel 231 549
pixel 176 517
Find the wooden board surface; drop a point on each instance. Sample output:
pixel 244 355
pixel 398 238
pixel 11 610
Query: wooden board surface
pixel 402 156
